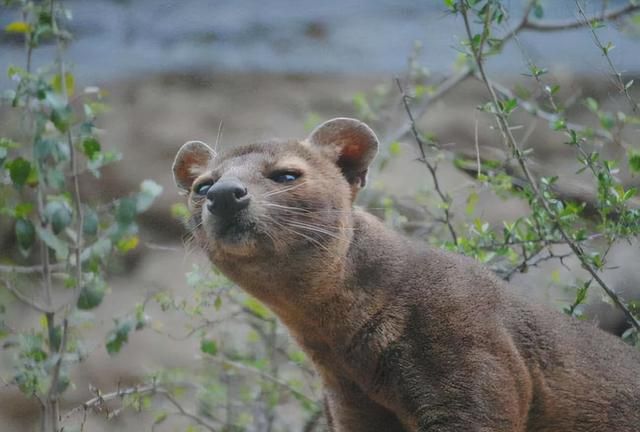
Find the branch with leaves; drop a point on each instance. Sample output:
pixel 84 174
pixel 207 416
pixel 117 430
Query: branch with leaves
pixel 501 115
pixel 71 241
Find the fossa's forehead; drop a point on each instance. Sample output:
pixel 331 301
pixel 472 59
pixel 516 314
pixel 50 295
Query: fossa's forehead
pixel 270 153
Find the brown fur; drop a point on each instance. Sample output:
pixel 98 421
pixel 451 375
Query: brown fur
pixel 405 337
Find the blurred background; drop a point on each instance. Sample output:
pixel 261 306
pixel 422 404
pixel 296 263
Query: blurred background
pixel 176 70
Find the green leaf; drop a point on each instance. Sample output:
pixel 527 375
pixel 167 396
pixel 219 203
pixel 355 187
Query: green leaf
pixel 100 249
pixel 509 105
pixel 50 239
pixel 61 118
pixel 180 211
pixel 297 357
pixel 209 346
pixel 56 83
pixel 19 170
pixel 91 294
pixel 559 124
pixel 451 5
pixel 149 191
pixel 118 336
pixel 160 417
pixel 128 243
pixel 59 214
pixel 634 161
pixel 91 147
pixel 126 211
pixel 44 148
pixel 538 11
pixel 18 27
pixel 25 234
pixel 257 308
pixel 32 347
pixel 592 104
pixel 7 143
pixel 23 210
pixel 90 222
pixel 472 200
pixel 607 121
pixel 394 148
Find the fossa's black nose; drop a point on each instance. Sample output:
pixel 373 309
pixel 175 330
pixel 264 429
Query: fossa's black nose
pixel 227 197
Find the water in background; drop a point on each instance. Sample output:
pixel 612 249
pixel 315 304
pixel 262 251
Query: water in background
pixel 120 38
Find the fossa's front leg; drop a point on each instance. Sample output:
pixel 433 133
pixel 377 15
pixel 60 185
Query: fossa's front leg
pixel 349 410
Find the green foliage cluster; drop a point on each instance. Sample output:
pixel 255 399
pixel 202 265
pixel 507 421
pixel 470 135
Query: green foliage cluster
pixel 582 229
pixel 73 241
pixel 249 372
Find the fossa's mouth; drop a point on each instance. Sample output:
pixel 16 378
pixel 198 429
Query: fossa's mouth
pixel 237 234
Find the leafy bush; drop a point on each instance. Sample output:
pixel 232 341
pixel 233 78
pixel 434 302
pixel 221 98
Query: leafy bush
pixel 72 240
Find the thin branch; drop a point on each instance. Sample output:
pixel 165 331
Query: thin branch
pixel 536 111
pixel 525 24
pixel 26 300
pixel 559 25
pixel 30 269
pixel 203 325
pixel 101 399
pixel 622 87
pixel 52 394
pixel 533 261
pixel 512 144
pixel 446 199
pixel 77 202
pixel 229 363
pixel 476 142
pixel 199 420
pixel 420 109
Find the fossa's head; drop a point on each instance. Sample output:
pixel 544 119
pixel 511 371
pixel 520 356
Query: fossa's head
pixel 277 198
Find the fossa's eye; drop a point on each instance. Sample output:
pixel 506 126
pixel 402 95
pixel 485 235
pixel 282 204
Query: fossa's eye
pixel 203 188
pixel 285 176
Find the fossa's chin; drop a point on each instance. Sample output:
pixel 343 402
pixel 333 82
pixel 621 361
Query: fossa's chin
pixel 236 239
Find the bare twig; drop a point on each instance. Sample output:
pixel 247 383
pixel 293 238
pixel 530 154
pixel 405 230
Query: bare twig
pixel 26 300
pixel 183 412
pixel 203 325
pixel 101 399
pixel 534 260
pixel 512 144
pixel 477 145
pixel 218 136
pixel 240 366
pixel 446 199
pixel 442 89
pixel 549 26
pixel 30 269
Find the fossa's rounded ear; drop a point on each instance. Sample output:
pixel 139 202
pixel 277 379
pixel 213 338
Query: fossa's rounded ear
pixel 191 161
pixel 350 143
